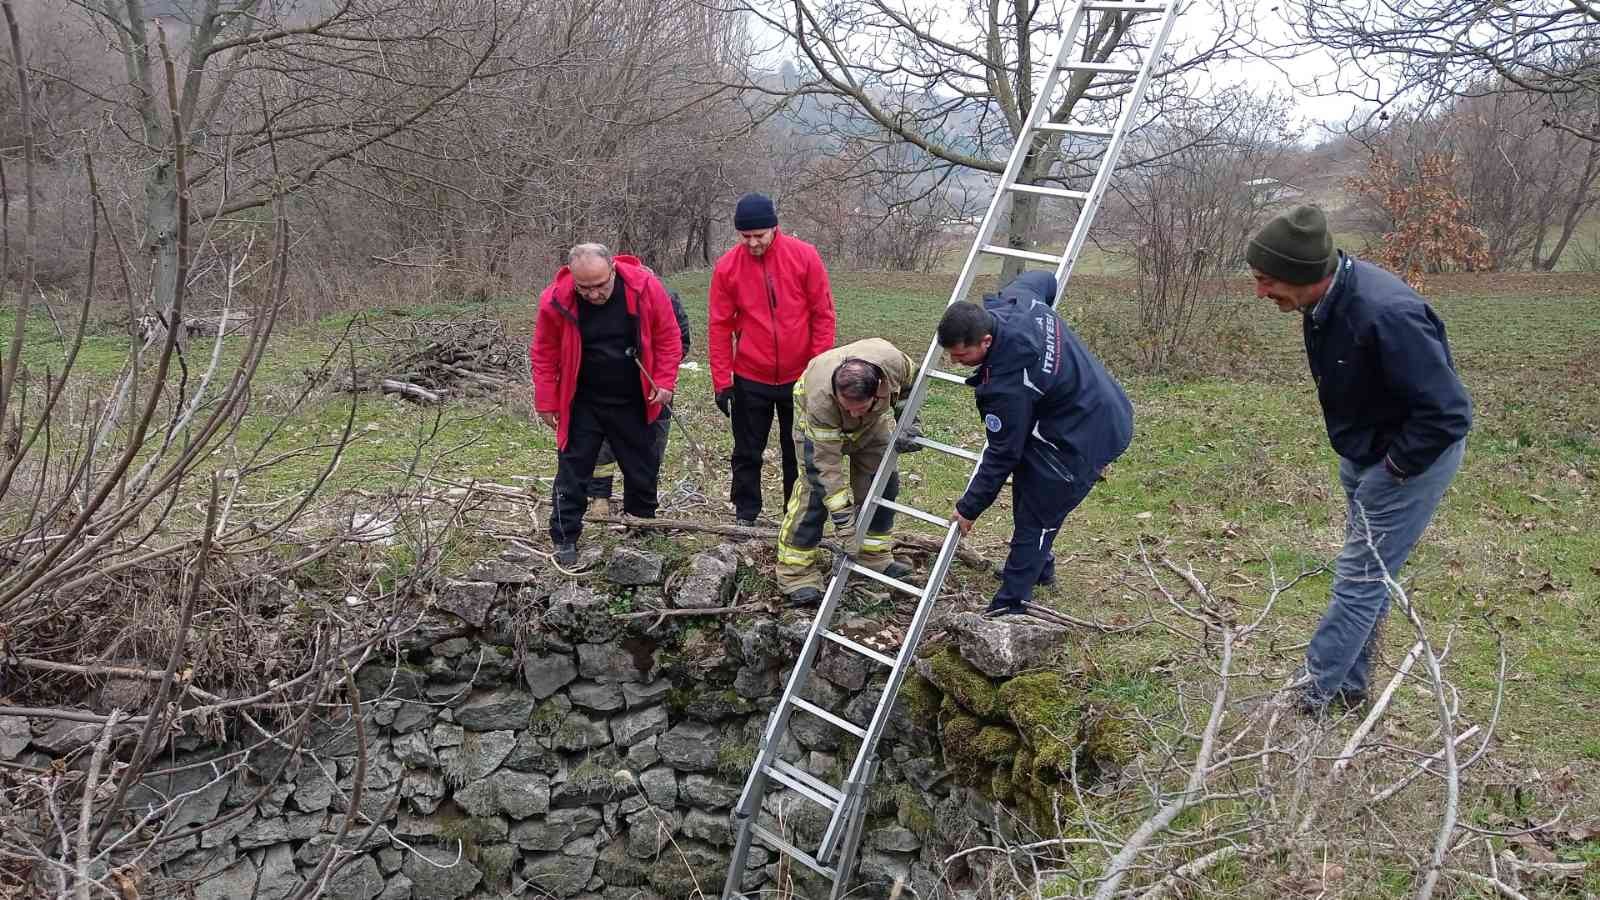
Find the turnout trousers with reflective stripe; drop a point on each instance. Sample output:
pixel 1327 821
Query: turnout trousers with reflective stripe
pixel 808 509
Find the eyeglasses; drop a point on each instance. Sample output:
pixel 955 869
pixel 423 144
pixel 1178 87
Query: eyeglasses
pixel 596 290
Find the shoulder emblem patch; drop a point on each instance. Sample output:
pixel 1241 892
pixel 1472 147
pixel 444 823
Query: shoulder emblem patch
pixel 991 422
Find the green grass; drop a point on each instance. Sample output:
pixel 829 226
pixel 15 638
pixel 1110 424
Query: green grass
pixel 1230 470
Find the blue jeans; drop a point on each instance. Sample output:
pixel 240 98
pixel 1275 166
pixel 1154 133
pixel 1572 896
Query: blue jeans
pixel 1341 650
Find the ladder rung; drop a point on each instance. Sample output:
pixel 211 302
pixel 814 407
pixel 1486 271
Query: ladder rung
pixel 800 787
pixel 1043 191
pixel 915 513
pixel 783 846
pixel 1132 6
pixel 944 448
pixel 824 715
pixel 1079 130
pixel 833 794
pixel 998 250
pixel 1114 68
pixel 895 583
pixel 946 376
pixel 862 649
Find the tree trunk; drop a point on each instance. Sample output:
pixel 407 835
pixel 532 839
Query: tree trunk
pixel 161 233
pixel 1578 203
pixel 1021 225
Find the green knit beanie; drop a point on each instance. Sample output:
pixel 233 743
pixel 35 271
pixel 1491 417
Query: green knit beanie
pixel 1294 247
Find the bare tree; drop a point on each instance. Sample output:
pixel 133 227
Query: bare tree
pixel 1435 50
pixel 621 132
pixel 1527 187
pixel 1186 215
pixel 122 533
pixel 268 101
pixel 957 83
pixel 872 210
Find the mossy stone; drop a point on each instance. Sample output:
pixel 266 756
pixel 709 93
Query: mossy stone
pixel 920 699
pixel 957 678
pixel 1106 738
pixel 913 814
pixel 958 734
pixel 996 744
pixel 1000 785
pixel 1041 705
pixel 1022 771
pixel 497 861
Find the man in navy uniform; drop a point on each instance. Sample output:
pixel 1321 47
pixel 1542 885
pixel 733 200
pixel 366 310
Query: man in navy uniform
pixel 1054 418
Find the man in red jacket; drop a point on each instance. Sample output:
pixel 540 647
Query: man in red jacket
pixel 770 313
pixel 604 356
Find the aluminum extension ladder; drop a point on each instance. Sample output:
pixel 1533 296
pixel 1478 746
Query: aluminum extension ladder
pixel 835 857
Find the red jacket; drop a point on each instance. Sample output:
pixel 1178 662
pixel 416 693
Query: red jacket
pixel 768 315
pixel 556 352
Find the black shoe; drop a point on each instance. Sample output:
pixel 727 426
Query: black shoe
pixel 742 522
pixel 1310 704
pixel 806 596
pixel 1046 579
pixel 1350 700
pixel 997 609
pixel 897 569
pixel 567 555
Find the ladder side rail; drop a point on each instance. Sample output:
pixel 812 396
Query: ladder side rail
pixel 1113 150
pixel 852 843
pixel 891 691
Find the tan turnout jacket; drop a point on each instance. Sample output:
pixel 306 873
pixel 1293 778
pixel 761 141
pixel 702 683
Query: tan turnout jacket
pixel 831 431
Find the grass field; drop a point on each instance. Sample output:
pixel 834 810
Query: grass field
pixel 1230 471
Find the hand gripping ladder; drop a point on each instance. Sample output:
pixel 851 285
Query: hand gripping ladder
pixel 835 857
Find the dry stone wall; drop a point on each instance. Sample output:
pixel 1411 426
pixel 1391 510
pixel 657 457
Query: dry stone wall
pixel 527 741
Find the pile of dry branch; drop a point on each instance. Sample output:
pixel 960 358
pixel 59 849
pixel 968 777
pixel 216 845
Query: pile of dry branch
pixel 436 360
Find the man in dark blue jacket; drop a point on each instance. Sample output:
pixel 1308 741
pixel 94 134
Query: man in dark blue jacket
pixel 1397 415
pixel 1054 418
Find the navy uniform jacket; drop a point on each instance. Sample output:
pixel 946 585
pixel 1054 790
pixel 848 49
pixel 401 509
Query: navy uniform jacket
pixel 1383 369
pixel 1046 401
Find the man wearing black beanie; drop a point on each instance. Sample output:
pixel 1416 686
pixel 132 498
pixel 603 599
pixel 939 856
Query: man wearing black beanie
pixel 1396 414
pixel 769 313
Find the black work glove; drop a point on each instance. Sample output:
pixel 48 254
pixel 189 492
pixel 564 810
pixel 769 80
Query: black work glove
pixel 725 401
pixel 903 444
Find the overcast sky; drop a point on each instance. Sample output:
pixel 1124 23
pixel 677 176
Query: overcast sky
pixel 1198 24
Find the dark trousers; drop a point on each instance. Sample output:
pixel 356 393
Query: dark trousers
pixel 1040 502
pixel 753 406
pixel 605 465
pixel 621 425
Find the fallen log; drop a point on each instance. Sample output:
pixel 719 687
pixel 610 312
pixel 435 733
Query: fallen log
pixel 407 389
pixel 912 541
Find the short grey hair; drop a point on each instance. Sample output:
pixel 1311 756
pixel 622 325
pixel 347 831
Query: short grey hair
pixel 595 251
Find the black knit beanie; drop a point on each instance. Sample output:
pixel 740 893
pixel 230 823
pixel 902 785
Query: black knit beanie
pixel 754 212
pixel 1294 247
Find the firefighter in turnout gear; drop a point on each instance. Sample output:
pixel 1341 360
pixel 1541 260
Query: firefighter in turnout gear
pixel 842 431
